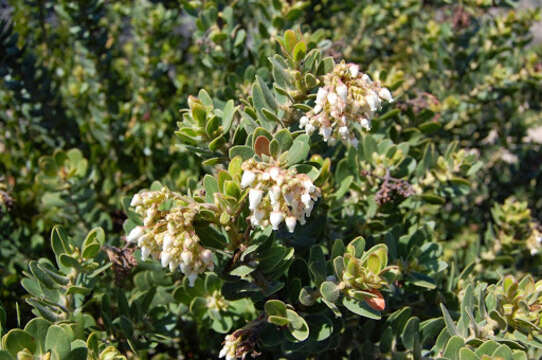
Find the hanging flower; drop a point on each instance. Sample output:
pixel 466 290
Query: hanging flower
pixel 347 100
pixel 168 235
pixel 278 195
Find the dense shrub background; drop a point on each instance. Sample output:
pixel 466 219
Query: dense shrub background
pixel 95 87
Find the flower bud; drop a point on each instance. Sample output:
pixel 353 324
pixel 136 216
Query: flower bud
pixel 135 234
pixel 276 218
pixel 290 223
pixel 254 198
pixel 247 179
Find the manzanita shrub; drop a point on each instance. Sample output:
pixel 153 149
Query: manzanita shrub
pixel 270 179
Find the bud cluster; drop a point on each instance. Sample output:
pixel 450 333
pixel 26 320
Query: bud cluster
pixel 520 301
pixel 229 350
pixel 516 227
pixel 348 98
pixel 358 276
pixel 278 194
pixel 169 235
pixel 241 343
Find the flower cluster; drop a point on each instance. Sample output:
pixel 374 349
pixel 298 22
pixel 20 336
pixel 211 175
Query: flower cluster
pixel 534 242
pixel 277 194
pixel 347 98
pixel 240 343
pixel 168 235
pixel 229 350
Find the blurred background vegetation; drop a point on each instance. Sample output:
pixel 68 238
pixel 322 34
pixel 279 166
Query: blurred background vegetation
pixel 90 92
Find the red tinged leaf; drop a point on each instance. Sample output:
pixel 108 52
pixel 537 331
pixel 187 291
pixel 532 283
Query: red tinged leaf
pixel 377 303
pixel 261 145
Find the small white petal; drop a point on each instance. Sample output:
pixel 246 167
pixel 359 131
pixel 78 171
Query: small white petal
pixel 274 195
pixel 321 96
pixel 317 109
pixel 354 70
pixel 303 121
pixel 276 218
pixel 342 91
pixel 366 78
pixel 247 179
pixel 186 256
pixel 254 198
pixel 192 279
pixel 385 94
pixel 164 258
pixel 135 234
pixel 310 129
pixel 373 101
pixel 206 256
pixel 223 352
pixel 274 172
pixel 289 197
pixel 168 241
pixel 258 215
pixel 309 186
pixel 290 223
pixel 136 200
pixel 325 132
pixel 145 252
pixel 343 130
pixel 306 200
pixel 332 98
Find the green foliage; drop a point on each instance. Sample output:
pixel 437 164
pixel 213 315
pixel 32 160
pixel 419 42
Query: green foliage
pixel 222 179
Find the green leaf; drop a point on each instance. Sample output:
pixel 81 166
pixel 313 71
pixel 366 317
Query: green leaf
pixel 245 152
pixel 4 355
pixel 305 297
pixel 278 320
pixel 503 352
pixel 93 242
pixel 300 50
pixel 41 275
pixel 242 271
pixel 356 247
pixel 297 153
pixel 361 308
pixel 290 39
pixel 373 263
pixel 297 325
pixel 16 340
pixel 487 348
pixel 467 354
pixel 329 291
pixel 205 98
pixel 284 138
pixel 37 328
pixel 275 307
pixel 268 95
pixel 69 262
pixel 410 333
pixel 326 65
pixel 310 81
pixel 452 347
pixel 433 198
pixel 58 241
pixel 450 325
pixel 77 290
pixel 211 187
